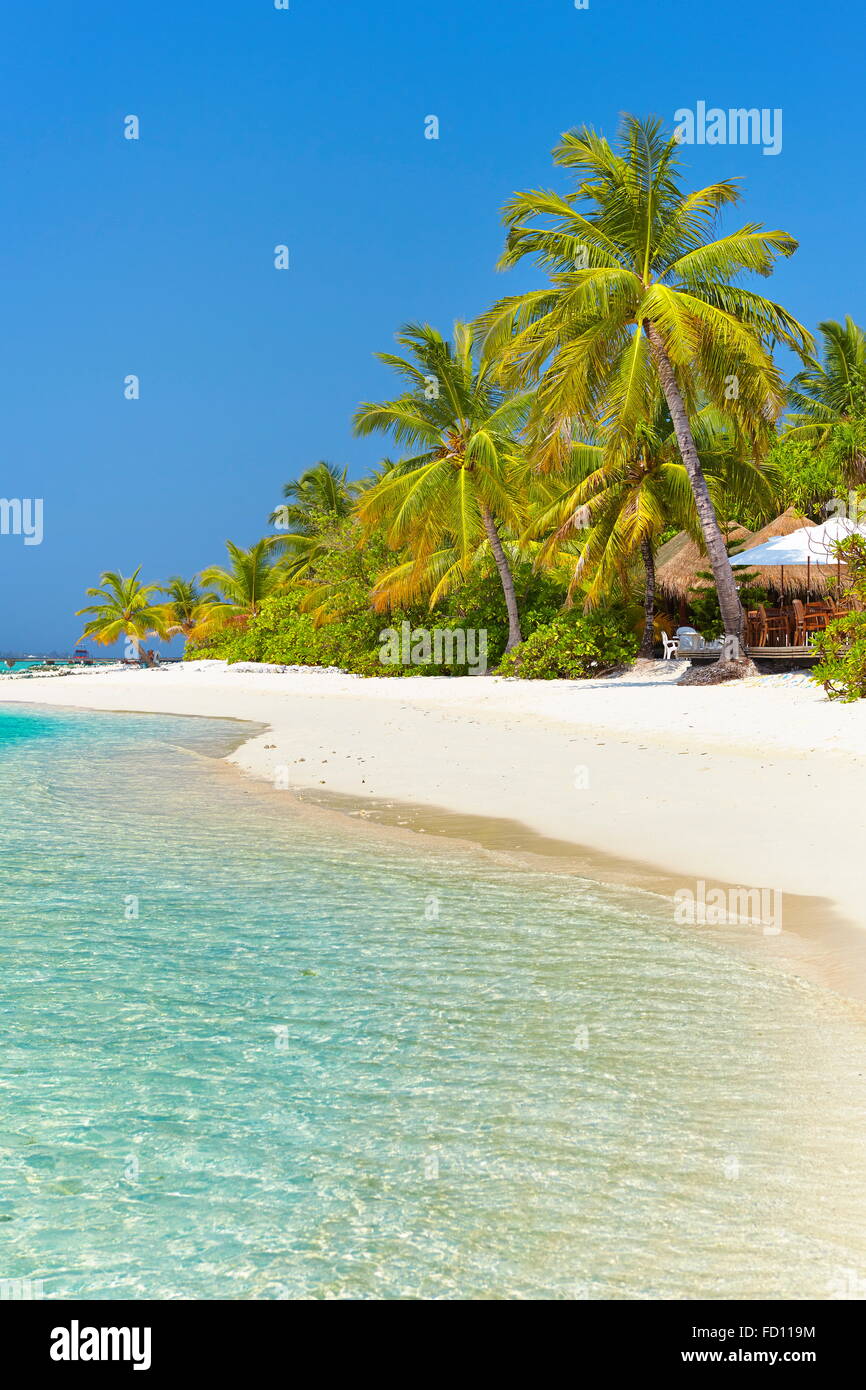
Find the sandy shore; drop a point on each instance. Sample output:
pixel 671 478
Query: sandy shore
pixel 759 783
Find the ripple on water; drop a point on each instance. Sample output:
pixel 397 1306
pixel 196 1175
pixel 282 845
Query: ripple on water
pixel 289 1076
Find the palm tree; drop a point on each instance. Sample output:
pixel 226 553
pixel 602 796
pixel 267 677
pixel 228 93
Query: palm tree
pixel 322 488
pixel 125 610
pixel 642 294
pixel 622 504
pixel 318 498
pixel 462 489
pixel 248 581
pixel 829 397
pixel 188 605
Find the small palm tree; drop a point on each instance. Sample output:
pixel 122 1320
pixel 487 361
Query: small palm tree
pixel 465 484
pixel 317 499
pixel 322 488
pixel 249 579
pixel 125 609
pixel 829 397
pixel 642 295
pixel 188 605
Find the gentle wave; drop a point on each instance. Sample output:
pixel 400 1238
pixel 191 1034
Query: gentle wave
pixel 323 1065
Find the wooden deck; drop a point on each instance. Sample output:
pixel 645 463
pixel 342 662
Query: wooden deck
pixel 800 654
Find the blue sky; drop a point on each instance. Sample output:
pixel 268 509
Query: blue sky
pixel 306 127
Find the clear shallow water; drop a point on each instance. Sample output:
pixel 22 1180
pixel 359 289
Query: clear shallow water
pixel 288 1077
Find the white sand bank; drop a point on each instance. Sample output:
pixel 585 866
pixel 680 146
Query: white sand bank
pixel 759 783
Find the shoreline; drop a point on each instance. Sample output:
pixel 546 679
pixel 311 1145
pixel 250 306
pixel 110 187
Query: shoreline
pixel 546 771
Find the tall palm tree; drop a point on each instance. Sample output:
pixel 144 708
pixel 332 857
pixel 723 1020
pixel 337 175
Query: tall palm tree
pixel 188 605
pixel 829 397
pixel 249 579
pixel 462 489
pixel 642 294
pixel 125 609
pixel 620 505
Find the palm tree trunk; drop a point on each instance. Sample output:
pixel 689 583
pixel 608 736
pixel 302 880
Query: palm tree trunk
pixel 729 598
pixel 649 601
pixel 515 636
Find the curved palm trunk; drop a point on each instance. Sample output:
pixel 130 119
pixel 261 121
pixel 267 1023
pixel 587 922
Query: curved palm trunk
pixel 515 636
pixel 649 601
pixel 729 599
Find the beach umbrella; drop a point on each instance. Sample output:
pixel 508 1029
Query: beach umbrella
pixel 809 546
pixel 795 578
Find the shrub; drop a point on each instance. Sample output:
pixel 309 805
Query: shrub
pixel 479 603
pixel 804 476
pixel 337 590
pixel 704 603
pixel 573 647
pixel 842 648
pixel 282 634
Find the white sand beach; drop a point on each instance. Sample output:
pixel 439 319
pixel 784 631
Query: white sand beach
pixel 758 783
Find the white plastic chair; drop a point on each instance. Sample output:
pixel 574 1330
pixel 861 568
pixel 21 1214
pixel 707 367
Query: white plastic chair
pixel 671 645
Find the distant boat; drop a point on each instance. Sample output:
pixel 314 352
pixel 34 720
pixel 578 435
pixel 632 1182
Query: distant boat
pixel 81 654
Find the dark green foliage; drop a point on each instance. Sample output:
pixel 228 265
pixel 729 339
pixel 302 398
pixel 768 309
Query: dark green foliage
pixel 574 646
pixel 842 667
pixel 479 603
pixel 805 477
pixel 328 619
pixel 704 610
pixel 283 635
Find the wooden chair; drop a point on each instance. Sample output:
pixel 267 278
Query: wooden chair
pixel 777 625
pixel 806 623
pixel 756 628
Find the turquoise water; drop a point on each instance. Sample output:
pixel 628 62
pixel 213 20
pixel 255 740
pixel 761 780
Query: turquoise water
pixel 17 666
pixel 319 1064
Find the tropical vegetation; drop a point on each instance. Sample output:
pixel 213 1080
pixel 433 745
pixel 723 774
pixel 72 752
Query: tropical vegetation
pixel 545 452
pixel 842 648
pixel 125 609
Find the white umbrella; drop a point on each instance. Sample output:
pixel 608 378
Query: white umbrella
pixel 811 545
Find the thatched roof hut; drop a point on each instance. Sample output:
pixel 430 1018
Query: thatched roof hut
pixel 791 581
pixel 680 562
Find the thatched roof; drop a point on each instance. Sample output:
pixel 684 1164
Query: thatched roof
pixel 680 561
pixel 783 526
pixel 793 581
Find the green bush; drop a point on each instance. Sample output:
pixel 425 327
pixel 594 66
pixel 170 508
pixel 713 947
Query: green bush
pixel 842 668
pixel 479 603
pixel 573 647
pixel 842 648
pixel 285 636
pixel 804 477
pixel 339 586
